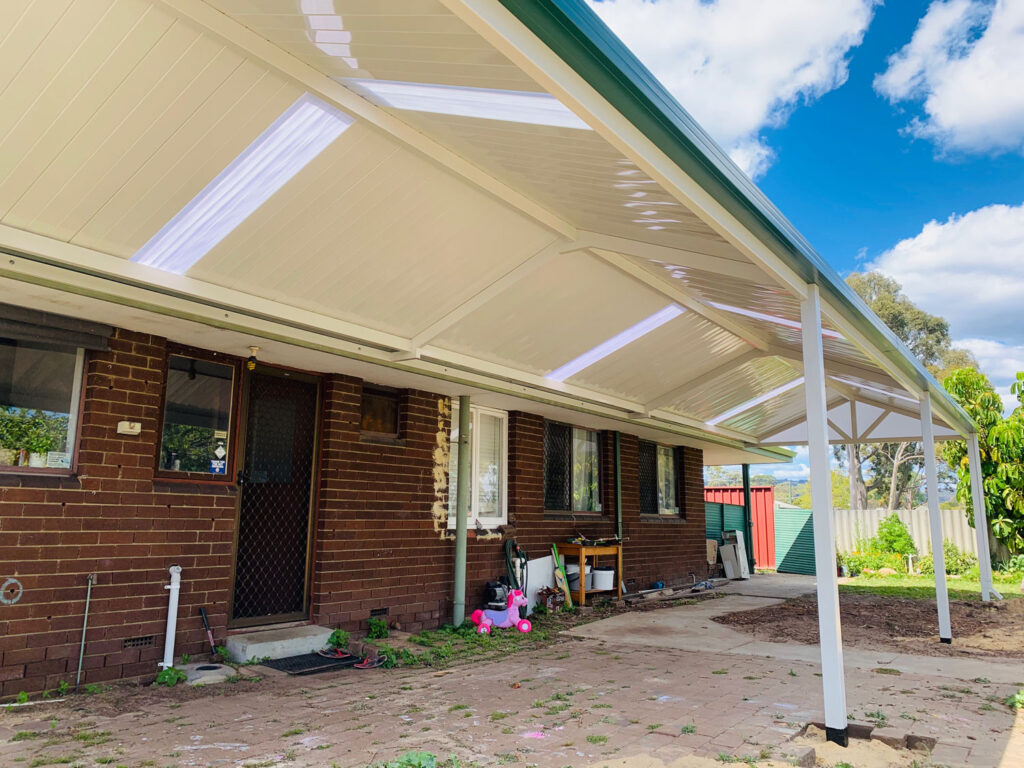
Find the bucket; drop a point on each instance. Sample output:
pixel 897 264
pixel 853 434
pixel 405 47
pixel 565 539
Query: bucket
pixel 589 579
pixel 604 577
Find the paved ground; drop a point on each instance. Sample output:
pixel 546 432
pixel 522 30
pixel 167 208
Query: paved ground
pixel 692 629
pixel 586 702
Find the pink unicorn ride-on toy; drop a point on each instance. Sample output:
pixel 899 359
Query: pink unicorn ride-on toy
pixel 486 619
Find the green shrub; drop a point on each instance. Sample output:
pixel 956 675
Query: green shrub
pixel 378 628
pixel 893 536
pixel 338 639
pixel 856 562
pixel 170 676
pixel 1014 565
pixel 958 562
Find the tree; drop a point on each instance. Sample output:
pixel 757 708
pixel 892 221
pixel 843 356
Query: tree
pixel 840 493
pixel 896 469
pixel 1001 444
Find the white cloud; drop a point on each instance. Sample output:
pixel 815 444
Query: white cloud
pixel 791 472
pixel 998 360
pixel 965 61
pixel 969 270
pixel 739 66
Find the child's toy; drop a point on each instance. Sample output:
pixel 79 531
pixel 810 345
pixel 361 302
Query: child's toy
pixel 487 618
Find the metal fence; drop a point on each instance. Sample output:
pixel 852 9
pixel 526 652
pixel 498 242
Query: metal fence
pixel 863 523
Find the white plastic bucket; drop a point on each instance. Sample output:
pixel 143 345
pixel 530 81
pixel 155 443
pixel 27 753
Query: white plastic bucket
pixel 604 577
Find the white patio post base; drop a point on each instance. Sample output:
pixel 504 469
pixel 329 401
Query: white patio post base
pixel 932 484
pixel 833 681
pixel 980 520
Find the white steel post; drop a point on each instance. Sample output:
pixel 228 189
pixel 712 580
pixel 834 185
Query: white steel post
pixel 980 519
pixel 832 677
pixel 932 484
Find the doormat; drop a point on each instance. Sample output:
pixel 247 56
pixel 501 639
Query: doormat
pixel 308 664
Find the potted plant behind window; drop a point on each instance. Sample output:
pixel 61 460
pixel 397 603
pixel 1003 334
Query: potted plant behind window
pixel 38 440
pixel 12 433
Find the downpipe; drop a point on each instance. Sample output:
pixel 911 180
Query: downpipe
pixel 85 626
pixel 172 616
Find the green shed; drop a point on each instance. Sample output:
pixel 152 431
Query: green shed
pixel 794 541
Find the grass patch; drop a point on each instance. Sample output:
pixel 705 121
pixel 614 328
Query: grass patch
pixel 25 735
pixel 688 728
pixel 922 587
pixel 887 671
pixel 597 738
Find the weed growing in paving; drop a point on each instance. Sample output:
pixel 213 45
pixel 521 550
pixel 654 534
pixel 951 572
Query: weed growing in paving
pixel 1016 701
pixel 597 738
pixel 293 732
pixel 688 728
pixel 720 672
pixel 878 717
pixel 887 671
pixel 654 726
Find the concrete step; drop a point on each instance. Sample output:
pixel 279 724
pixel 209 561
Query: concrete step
pixel 277 643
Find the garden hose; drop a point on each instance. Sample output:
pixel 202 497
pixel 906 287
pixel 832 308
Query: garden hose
pixel 514 553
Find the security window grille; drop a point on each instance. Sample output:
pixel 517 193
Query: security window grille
pixel 488 467
pixel 648 477
pixel 572 468
pixel 40 386
pixel 196 435
pixel 379 411
pixel 659 480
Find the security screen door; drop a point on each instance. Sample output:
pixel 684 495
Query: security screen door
pixel 275 498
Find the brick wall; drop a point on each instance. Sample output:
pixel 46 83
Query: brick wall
pixel 113 520
pixel 377 541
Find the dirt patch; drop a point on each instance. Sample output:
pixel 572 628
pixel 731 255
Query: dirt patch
pixel 908 625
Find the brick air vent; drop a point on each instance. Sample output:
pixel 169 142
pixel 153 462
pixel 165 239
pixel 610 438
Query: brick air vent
pixel 378 612
pixel 137 642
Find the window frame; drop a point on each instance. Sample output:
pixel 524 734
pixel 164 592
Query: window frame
pixel 205 478
pixel 675 511
pixel 474 451
pixel 381 390
pixel 598 435
pixel 76 406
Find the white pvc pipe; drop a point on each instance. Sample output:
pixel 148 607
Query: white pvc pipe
pixel 172 616
pixel 938 555
pixel 980 520
pixel 830 632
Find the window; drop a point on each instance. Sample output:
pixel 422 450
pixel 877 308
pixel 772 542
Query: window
pixel 488 463
pixel 659 485
pixel 40 387
pixel 380 411
pixel 572 468
pixel 196 435
pixel 667 481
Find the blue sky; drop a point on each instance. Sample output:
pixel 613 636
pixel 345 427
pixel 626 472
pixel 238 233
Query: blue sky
pixel 891 135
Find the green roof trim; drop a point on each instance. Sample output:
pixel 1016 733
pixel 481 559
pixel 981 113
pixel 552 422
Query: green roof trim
pixel 578 36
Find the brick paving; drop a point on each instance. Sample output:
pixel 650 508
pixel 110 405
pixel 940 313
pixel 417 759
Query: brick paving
pixel 580 703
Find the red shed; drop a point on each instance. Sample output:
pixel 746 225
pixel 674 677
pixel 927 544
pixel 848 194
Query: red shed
pixel 762 510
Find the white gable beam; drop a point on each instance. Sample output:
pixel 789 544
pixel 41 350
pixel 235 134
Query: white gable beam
pixel 731 363
pixel 684 298
pixel 500 285
pixel 251 44
pixel 696 252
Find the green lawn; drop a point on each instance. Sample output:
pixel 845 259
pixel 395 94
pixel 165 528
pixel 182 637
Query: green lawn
pixel 923 587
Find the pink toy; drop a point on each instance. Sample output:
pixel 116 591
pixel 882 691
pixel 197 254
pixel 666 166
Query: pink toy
pixel 486 619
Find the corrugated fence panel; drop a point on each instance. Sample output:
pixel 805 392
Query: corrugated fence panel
pixel 794 541
pixel 863 524
pixel 733 518
pixel 713 518
pixel 762 502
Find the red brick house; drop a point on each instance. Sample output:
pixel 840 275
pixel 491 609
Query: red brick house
pixel 251 251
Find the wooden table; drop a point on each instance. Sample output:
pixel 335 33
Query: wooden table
pixel 582 552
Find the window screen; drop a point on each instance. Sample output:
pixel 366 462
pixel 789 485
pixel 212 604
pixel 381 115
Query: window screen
pixel 648 477
pixel 39 389
pixel 557 461
pixel 197 416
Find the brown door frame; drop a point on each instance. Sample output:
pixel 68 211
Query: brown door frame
pixel 314 474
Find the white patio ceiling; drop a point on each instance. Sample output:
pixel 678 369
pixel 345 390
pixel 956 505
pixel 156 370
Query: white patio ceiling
pixel 477 229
